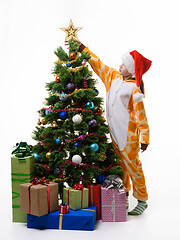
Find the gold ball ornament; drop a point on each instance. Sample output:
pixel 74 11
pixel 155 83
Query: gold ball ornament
pixel 73 103
pixel 48 155
pixel 39 122
pixel 72 55
pixel 102 157
pixel 54 124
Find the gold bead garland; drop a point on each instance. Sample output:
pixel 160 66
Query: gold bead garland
pixel 72 61
pixel 60 179
pixel 69 95
pixel 75 69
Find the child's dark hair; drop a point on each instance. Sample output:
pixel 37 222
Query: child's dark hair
pixel 142 87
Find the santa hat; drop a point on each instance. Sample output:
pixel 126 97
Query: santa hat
pixel 136 64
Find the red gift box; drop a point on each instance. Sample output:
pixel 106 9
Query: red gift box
pixel 64 208
pixel 95 198
pixel 113 205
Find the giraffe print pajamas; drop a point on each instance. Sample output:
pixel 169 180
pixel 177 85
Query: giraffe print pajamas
pixel 127 123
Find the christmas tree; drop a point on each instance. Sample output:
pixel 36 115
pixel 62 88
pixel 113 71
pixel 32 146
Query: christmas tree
pixel 71 133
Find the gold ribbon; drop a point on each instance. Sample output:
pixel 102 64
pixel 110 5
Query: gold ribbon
pixel 60 220
pixel 71 61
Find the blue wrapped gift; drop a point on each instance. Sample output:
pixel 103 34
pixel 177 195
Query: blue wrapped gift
pixel 84 219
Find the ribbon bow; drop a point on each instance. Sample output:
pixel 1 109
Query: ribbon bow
pixel 36 181
pixel 78 187
pixel 22 150
pixel 113 181
pixel 63 204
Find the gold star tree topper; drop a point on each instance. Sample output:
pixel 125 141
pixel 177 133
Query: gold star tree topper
pixel 71 32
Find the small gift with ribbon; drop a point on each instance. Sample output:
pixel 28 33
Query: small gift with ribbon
pixel 113 200
pixel 64 208
pixel 39 197
pixel 76 197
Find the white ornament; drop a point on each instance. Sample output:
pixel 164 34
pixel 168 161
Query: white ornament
pixel 77 159
pixel 77 118
pixel 138 97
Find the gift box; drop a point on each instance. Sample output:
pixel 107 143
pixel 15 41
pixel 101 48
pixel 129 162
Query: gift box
pixel 95 198
pixel 39 199
pixel 64 208
pixel 84 219
pixel 76 199
pixel 21 172
pixel 113 205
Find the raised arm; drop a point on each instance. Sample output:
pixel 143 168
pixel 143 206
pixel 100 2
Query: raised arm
pixel 106 73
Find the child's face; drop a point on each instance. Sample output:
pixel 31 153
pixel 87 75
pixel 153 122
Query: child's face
pixel 123 71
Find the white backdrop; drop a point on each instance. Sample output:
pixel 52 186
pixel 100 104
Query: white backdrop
pixel 29 35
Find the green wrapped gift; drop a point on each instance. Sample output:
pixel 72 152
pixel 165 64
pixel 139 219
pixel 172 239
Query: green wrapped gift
pixel 76 199
pixel 21 171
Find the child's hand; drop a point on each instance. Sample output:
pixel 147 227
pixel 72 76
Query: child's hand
pixel 143 147
pixel 81 46
pixel 67 44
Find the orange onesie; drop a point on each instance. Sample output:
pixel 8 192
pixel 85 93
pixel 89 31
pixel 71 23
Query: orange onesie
pixel 127 122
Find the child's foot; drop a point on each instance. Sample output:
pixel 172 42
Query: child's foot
pixel 127 203
pixel 139 209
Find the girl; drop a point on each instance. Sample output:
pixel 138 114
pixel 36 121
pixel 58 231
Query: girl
pixel 126 117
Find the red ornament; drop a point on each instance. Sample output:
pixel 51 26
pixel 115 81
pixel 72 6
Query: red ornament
pixel 72 55
pixel 57 79
pixel 61 175
pixel 80 104
pixel 100 111
pixel 43 121
pixel 47 168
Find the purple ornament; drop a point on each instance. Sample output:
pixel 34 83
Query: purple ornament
pixel 93 123
pixel 70 86
pixel 83 62
pixel 80 178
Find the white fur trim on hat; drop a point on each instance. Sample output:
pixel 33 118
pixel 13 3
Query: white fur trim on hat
pixel 128 62
pixel 138 97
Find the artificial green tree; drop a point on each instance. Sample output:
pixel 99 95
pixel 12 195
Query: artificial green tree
pixel 71 133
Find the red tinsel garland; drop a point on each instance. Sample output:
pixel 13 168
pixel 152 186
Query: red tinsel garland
pixel 81 137
pixel 73 139
pixel 71 109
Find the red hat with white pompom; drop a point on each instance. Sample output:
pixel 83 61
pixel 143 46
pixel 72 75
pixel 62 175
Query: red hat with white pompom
pixel 136 64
